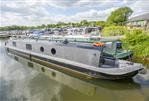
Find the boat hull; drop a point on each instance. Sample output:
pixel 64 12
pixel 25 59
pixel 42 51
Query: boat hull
pixel 69 69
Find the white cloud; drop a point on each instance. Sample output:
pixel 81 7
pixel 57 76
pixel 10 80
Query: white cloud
pixel 35 12
pixel 90 15
pixel 140 5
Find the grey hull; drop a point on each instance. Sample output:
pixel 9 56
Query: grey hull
pixel 63 67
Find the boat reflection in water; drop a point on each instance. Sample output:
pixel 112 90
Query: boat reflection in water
pixel 87 86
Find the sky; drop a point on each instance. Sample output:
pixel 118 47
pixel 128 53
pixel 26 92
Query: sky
pixel 37 12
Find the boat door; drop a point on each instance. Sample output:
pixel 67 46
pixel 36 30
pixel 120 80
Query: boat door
pixel 95 58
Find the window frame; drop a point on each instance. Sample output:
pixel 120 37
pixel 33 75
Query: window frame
pixel 14 43
pixel 28 46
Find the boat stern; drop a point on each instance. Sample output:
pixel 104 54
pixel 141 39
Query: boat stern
pixel 123 70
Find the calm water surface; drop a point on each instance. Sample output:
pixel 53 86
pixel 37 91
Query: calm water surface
pixel 20 83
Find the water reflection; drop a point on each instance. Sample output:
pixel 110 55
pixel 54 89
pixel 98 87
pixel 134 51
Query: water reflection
pixel 20 83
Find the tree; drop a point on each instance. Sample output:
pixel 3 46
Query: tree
pixel 119 16
pixel 43 26
pixel 84 23
pixel 101 23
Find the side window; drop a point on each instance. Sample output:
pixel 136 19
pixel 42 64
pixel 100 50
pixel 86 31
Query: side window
pixel 29 46
pixel 53 51
pixel 41 49
pixel 14 43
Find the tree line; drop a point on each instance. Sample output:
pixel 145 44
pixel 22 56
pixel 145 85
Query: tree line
pixel 117 17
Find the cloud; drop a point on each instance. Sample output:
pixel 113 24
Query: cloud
pixel 37 12
pixel 90 15
pixel 62 3
pixel 140 5
pixel 22 13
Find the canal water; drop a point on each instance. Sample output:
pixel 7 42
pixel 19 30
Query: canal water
pixel 20 83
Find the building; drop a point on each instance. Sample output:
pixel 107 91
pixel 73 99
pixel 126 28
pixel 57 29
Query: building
pixel 139 20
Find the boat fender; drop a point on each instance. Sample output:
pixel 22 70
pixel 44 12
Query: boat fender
pixel 6 43
pixel 65 41
pixel 98 44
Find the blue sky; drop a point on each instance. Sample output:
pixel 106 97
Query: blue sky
pixel 37 12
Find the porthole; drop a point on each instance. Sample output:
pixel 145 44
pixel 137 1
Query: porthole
pixel 30 64
pixel 53 74
pixel 16 58
pixel 53 51
pixel 7 50
pixel 42 69
pixel 41 49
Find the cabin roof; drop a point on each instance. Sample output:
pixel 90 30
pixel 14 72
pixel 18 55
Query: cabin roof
pixel 61 43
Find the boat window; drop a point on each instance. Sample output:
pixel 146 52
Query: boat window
pixel 109 47
pixel 118 45
pixel 53 51
pixel 41 49
pixel 28 46
pixel 14 43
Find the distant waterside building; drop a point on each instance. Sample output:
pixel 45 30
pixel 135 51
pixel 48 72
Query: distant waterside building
pixel 139 20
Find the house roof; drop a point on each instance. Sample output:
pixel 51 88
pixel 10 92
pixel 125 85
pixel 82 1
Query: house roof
pixel 139 16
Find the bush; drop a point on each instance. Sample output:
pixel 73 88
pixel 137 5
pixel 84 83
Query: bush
pixel 114 31
pixel 138 41
pixel 141 49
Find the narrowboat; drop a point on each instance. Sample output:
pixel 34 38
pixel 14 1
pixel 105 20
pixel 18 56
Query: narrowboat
pixel 115 46
pixel 83 59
